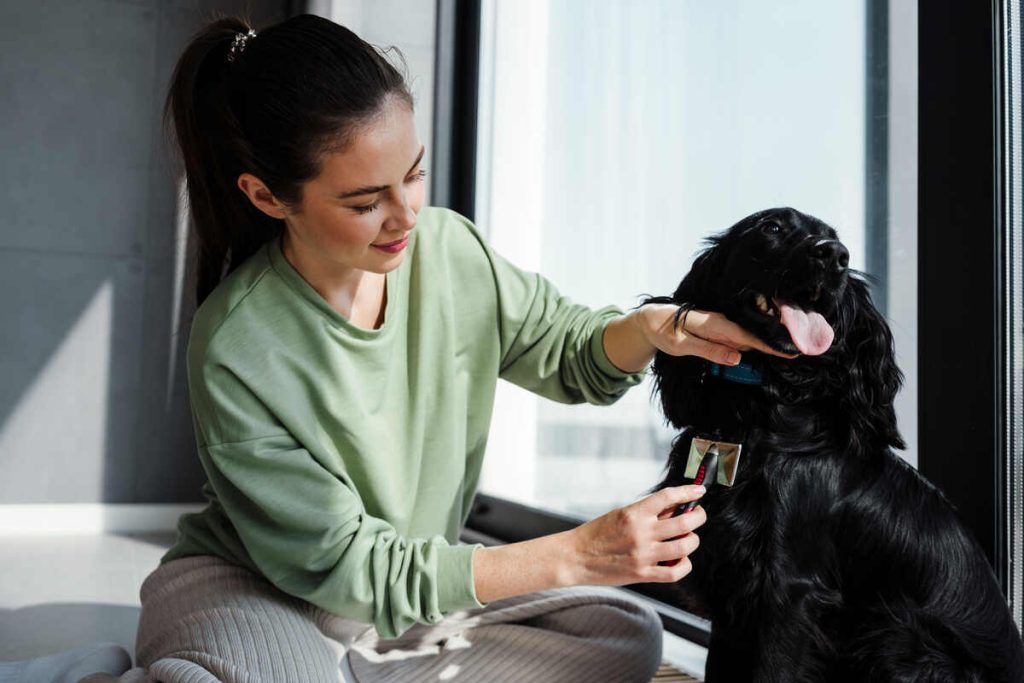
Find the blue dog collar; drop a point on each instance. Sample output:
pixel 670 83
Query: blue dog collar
pixel 741 373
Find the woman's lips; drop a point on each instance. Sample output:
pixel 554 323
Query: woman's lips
pixel 392 247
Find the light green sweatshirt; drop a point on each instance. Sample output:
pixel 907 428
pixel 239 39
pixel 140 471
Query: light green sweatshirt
pixel 342 461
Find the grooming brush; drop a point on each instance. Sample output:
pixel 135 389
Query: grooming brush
pixel 709 462
pixel 707 473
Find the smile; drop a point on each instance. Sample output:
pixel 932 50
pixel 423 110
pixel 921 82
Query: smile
pixel 392 247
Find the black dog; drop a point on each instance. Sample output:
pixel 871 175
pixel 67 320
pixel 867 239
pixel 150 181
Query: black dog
pixel 830 558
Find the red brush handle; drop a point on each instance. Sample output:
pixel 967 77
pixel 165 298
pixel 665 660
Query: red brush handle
pixel 707 472
pixel 683 509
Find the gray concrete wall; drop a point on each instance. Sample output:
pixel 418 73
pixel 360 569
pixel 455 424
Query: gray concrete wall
pixel 93 399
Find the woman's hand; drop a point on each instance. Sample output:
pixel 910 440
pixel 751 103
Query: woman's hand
pixel 631 340
pixel 709 335
pixel 628 544
pixel 641 542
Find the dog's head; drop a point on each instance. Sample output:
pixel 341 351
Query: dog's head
pixel 785 276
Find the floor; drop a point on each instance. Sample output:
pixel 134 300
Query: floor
pixel 58 592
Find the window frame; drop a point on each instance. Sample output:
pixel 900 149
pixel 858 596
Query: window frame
pixel 957 148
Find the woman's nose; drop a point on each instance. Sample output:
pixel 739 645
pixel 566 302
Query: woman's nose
pixel 404 215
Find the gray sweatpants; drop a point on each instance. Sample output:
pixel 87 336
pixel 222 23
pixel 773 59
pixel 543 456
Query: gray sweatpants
pixel 206 621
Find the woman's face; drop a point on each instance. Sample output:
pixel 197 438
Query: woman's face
pixel 357 214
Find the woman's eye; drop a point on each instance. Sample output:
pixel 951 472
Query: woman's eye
pixel 366 208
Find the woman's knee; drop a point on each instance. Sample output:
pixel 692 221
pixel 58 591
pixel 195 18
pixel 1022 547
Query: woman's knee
pixel 644 623
pixel 624 635
pixel 206 620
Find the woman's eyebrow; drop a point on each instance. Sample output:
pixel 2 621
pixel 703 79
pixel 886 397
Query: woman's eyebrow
pixel 373 189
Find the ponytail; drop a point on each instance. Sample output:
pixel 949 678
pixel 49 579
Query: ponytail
pixel 271 106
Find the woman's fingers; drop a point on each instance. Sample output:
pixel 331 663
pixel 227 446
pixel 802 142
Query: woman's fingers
pixel 669 539
pixel 670 527
pixel 718 332
pixel 716 327
pixel 672 571
pixel 678 539
pixel 677 548
pixel 669 498
pixel 692 345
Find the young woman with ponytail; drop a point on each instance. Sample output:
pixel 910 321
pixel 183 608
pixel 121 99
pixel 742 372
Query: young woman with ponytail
pixel 342 365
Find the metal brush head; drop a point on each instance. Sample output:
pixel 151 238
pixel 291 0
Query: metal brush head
pixel 728 459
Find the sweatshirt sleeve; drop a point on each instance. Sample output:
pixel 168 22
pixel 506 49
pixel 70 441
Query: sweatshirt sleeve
pixel 549 344
pixel 306 529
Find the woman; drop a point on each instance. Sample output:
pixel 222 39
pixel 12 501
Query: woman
pixel 342 374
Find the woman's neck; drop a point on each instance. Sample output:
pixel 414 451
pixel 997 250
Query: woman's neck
pixel 359 296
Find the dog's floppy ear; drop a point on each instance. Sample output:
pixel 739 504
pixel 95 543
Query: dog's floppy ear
pixel 874 378
pixel 698 289
pixel 677 378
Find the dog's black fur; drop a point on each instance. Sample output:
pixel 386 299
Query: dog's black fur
pixel 830 559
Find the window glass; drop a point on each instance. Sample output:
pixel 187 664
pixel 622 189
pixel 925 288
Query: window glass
pixel 614 137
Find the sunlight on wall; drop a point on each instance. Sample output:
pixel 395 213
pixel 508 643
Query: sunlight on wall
pixel 181 223
pixel 72 391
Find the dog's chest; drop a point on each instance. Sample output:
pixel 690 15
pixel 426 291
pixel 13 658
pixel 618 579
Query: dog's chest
pixel 764 527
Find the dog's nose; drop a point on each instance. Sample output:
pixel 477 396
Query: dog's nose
pixel 831 251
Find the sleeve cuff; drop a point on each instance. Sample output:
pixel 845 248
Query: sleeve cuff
pixel 599 355
pixel 456 587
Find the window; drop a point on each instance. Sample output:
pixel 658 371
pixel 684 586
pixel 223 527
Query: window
pixel 614 137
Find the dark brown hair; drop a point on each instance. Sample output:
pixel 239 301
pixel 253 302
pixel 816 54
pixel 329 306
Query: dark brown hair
pixel 295 91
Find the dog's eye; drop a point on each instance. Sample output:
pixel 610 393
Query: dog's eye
pixel 771 228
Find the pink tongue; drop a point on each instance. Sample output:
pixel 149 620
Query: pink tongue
pixel 809 331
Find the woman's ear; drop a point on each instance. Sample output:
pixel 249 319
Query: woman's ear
pixel 874 377
pixel 261 196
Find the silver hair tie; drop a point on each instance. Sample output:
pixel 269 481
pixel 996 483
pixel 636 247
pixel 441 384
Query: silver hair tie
pixel 238 44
